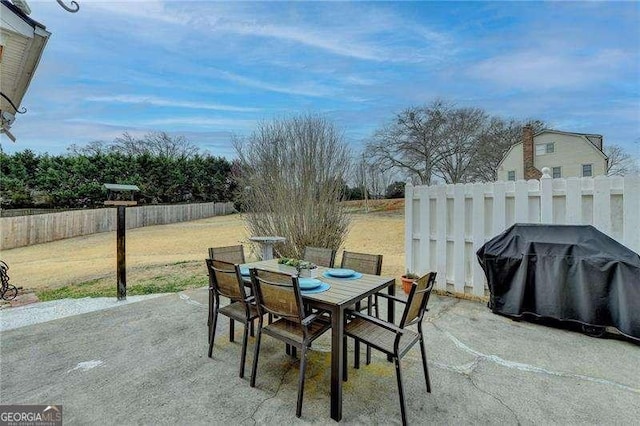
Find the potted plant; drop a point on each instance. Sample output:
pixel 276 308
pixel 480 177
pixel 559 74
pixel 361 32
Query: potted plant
pixel 304 268
pixel 307 269
pixel 407 280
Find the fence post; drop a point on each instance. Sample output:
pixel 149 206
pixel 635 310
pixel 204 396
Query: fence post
pixel 546 197
pixel 459 275
pixel 631 218
pixel 477 275
pixel 408 230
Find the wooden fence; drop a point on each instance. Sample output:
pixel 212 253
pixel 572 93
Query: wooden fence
pixel 26 230
pixel 446 224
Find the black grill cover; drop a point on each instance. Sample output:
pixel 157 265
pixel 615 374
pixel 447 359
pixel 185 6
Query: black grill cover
pixel 565 272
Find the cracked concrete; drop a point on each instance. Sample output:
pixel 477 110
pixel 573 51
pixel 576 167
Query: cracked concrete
pixel 148 365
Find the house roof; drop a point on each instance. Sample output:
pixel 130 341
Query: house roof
pixel 15 9
pixel 23 41
pixel 594 139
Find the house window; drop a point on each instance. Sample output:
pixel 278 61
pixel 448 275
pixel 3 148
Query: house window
pixel 545 148
pixel 587 170
pixel 511 175
pixel 557 172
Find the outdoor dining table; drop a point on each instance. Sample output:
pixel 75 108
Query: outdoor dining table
pixel 342 294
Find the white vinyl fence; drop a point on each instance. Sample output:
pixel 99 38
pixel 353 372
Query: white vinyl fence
pixel 446 224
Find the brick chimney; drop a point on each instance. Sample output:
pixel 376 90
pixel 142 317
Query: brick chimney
pixel 528 152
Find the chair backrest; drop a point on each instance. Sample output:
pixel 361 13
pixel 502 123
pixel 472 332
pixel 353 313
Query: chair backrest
pixel 362 262
pixel 233 254
pixel 418 298
pixel 278 294
pixel 320 256
pixel 226 280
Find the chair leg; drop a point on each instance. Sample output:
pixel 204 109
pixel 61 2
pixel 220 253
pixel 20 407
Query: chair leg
pixel 424 364
pixel 213 310
pixel 231 330
pixel 356 346
pixel 376 304
pixel 243 356
pixel 303 365
pixel 212 331
pixel 345 369
pixel 256 352
pixel 369 312
pixel 400 391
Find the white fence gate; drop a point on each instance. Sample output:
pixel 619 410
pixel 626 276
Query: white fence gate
pixel 446 224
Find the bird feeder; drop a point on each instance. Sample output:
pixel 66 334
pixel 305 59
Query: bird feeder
pixel 121 196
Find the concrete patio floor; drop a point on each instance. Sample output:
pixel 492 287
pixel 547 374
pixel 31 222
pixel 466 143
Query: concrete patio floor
pixel 146 363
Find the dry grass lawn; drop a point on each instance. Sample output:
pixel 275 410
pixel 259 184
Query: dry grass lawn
pixel 176 252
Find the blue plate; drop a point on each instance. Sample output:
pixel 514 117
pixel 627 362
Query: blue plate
pixel 322 287
pixel 341 273
pixel 355 276
pixel 309 283
pixel 244 271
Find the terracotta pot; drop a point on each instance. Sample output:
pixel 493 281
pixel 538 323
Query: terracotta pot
pixel 406 283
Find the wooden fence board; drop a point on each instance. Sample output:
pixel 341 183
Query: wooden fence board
pixel 20 231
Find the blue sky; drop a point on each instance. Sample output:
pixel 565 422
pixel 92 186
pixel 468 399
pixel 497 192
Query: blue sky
pixel 208 70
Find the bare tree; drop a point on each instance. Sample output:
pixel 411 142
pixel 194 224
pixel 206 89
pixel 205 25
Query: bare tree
pixel 459 143
pixel 155 143
pixel 292 171
pixel 91 148
pixel 412 141
pixel 620 162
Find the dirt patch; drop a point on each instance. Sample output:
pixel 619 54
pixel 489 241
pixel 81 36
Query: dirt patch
pixel 161 249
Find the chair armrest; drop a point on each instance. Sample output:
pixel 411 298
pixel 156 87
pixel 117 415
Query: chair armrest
pixel 313 317
pixel 394 298
pixel 384 324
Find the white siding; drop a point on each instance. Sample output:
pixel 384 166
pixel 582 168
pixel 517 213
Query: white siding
pixel 513 161
pixel 570 153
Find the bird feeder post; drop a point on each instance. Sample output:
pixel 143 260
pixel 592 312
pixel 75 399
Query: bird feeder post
pixel 116 195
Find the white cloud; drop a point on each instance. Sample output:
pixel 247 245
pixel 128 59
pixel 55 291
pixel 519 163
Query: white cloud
pixel 540 69
pixel 156 101
pixel 305 89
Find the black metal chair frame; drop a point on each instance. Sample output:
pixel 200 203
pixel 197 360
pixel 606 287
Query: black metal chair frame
pixel 232 254
pixel 241 308
pixel 362 326
pixel 372 301
pixel 287 324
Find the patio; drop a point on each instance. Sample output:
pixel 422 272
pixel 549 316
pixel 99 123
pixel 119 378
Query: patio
pixel 146 363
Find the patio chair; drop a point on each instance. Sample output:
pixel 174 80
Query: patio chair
pixel 232 254
pixel 279 294
pixel 366 264
pixel 225 280
pixel 395 341
pixel 320 256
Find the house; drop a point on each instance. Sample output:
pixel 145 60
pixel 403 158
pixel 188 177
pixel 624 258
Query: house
pixel 22 41
pixel 566 154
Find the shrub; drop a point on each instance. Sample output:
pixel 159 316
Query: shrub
pixel 291 179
